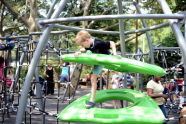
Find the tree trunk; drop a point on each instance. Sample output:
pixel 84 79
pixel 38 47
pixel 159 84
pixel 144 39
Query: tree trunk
pixel 31 21
pixel 2 8
pixel 86 12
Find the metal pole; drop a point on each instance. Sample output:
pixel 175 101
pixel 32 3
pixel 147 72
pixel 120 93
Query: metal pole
pixel 147 34
pixel 111 17
pixel 179 36
pixel 121 29
pixel 111 32
pixel 18 69
pixel 138 75
pixel 51 9
pixel 38 89
pixel 122 43
pixel 52 32
pixel 34 62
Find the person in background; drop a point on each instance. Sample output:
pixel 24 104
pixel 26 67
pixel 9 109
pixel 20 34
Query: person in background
pixel 50 79
pixel 1 71
pixel 178 80
pixel 102 82
pixel 72 67
pixel 155 90
pixel 9 78
pixel 65 73
pixel 93 45
pixel 116 81
pixel 1 68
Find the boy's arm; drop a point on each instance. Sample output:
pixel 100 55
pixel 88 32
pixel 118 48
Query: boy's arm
pixel 80 51
pixel 113 47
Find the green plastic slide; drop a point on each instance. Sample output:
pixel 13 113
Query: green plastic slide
pixel 115 63
pixel 143 110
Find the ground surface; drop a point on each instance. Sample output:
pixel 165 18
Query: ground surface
pixel 51 106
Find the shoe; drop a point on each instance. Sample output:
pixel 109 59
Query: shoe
pixel 90 105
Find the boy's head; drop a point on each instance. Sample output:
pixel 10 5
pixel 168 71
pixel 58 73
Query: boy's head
pixel 83 38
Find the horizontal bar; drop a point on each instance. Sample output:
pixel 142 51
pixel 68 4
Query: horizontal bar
pixel 166 48
pixel 110 17
pixel 111 32
pixel 52 32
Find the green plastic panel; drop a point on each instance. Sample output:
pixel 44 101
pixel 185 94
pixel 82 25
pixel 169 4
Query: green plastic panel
pixel 115 63
pixel 143 110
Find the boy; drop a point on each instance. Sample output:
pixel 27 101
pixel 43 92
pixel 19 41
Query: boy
pixel 94 45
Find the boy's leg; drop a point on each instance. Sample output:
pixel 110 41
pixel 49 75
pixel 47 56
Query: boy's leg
pixel 94 86
pixel 96 72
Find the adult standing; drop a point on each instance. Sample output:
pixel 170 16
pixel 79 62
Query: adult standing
pixel 155 90
pixel 50 79
pixel 178 80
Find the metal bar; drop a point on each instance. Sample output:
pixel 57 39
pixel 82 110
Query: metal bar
pixel 52 32
pixel 166 48
pixel 14 37
pixel 148 28
pixel 33 64
pixel 89 30
pixel 110 17
pixel 70 29
pixel 18 69
pixel 121 29
pixel 147 34
pixel 51 9
pixel 111 32
pixel 179 36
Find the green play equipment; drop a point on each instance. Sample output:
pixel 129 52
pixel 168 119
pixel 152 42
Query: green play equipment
pixel 143 110
pixel 116 63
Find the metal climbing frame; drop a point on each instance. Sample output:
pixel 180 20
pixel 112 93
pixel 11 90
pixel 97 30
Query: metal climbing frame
pixel 52 18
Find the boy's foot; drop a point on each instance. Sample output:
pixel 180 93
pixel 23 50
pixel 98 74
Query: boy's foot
pixel 90 105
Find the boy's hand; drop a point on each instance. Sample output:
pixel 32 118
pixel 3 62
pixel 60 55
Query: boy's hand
pixel 76 54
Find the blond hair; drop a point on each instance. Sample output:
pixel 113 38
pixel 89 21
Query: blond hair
pixel 82 36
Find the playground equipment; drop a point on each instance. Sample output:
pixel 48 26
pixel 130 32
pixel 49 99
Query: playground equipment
pixel 143 110
pixel 53 18
pixel 77 112
pixel 115 63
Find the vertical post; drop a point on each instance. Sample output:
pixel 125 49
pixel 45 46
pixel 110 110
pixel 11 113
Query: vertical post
pixel 33 64
pixel 147 34
pixel 139 76
pixel 179 36
pixel 38 89
pixel 122 43
pixel 121 29
pixel 51 9
pixel 18 69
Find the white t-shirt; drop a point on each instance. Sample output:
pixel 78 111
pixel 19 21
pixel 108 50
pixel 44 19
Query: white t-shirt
pixel 157 89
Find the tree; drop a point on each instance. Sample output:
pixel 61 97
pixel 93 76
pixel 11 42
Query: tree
pixel 19 14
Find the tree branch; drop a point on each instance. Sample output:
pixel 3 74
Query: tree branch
pixel 131 38
pixel 11 28
pixel 109 27
pixel 92 22
pixel 1 18
pixel 15 13
pixel 86 12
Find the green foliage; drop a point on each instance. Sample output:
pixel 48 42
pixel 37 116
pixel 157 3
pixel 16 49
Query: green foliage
pixel 180 5
pixel 75 8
